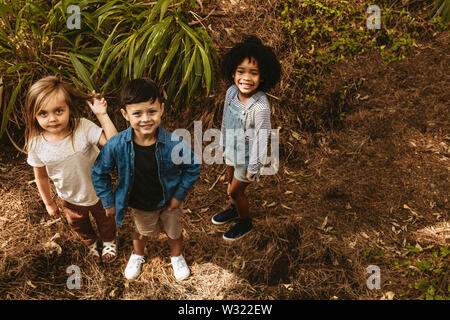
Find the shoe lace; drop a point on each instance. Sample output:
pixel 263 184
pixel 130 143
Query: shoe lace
pixel 178 263
pixel 137 260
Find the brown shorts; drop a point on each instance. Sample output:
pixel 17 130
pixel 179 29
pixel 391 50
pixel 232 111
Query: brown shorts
pixel 150 223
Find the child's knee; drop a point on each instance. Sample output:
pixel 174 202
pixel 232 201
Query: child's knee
pixel 235 193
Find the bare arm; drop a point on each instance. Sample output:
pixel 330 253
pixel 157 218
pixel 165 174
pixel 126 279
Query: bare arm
pixel 99 107
pixel 43 184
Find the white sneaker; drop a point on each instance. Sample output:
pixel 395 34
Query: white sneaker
pixel 180 268
pixel 133 269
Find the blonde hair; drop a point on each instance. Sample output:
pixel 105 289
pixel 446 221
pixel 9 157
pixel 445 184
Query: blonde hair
pixel 37 97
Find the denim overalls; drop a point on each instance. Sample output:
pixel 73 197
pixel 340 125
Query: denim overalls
pixel 237 151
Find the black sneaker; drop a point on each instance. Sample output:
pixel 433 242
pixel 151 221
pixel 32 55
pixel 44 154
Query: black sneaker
pixel 240 229
pixel 225 216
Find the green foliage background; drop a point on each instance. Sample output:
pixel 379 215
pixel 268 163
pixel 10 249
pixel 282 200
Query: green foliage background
pixel 119 40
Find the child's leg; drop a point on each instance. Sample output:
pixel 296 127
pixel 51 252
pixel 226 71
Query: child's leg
pixel 106 224
pixel 78 219
pixel 176 246
pixel 230 175
pixel 244 224
pixel 171 221
pixel 107 229
pixel 239 198
pixel 229 213
pixel 146 225
pixel 139 243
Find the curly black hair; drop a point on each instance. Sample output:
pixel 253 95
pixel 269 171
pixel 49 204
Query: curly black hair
pixel 252 47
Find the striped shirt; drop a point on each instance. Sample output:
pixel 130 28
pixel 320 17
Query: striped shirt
pixel 257 124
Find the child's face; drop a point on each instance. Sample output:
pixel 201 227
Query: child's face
pixel 144 117
pixel 54 116
pixel 247 77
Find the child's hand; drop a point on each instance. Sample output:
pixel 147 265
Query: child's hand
pixel 53 210
pixel 111 211
pixel 174 204
pixel 251 177
pixel 99 106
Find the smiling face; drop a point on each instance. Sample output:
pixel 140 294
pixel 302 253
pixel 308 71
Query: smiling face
pixel 247 78
pixel 54 116
pixel 145 118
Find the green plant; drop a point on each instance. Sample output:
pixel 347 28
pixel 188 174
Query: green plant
pixel 156 42
pixel 28 45
pixel 376 254
pixel 118 40
pixel 323 33
pixel 441 9
pixel 429 273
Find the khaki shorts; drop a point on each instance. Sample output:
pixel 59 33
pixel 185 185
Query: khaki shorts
pixel 150 223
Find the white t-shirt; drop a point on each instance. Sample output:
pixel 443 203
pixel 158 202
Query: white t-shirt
pixel 69 169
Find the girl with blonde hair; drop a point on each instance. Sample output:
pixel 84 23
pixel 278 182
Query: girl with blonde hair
pixel 62 147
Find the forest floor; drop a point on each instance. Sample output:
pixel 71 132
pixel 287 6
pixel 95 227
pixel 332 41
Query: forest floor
pixel 373 192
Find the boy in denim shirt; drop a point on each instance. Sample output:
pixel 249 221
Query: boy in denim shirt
pixel 148 179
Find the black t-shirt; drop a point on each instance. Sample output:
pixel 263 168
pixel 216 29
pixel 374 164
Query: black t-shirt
pixel 147 190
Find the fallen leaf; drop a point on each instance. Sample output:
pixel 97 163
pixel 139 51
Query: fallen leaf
pixel 112 294
pixel 288 287
pixel 286 207
pixel 270 205
pixel 288 192
pixel 56 236
pixel 204 210
pixel 325 221
pixel 296 135
pixel 53 246
pixel 365 235
pixel 411 210
pixel 31 284
pixel 50 222
pixel 388 296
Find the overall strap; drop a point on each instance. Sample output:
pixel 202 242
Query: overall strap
pixel 254 98
pixel 234 92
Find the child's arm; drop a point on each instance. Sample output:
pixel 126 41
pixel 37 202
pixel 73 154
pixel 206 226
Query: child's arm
pixel 258 141
pixel 99 108
pixel 43 184
pixel 189 174
pixel 101 178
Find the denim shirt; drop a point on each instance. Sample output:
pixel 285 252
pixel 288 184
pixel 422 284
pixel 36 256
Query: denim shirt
pixel 176 179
